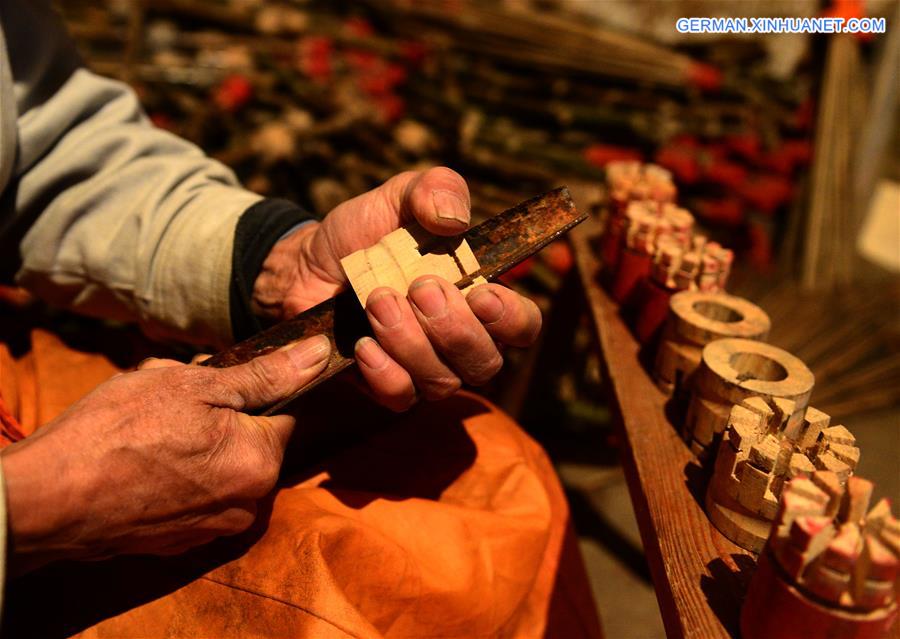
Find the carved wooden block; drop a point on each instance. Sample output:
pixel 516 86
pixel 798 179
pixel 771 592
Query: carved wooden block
pixel 402 256
pixel 828 569
pixel 760 451
pixel 733 370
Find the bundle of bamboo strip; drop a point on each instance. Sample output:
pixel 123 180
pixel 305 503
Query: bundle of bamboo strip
pixel 833 215
pixel 519 34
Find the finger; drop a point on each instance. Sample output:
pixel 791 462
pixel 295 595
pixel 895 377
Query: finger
pixel 200 357
pixel 402 338
pixel 155 362
pixel 509 317
pixel 453 329
pixel 234 520
pixel 270 378
pixel 276 431
pixel 389 383
pixel 231 521
pixel 439 200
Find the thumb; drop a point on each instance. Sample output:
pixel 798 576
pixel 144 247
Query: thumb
pixel 271 378
pixel 438 199
pixel 277 430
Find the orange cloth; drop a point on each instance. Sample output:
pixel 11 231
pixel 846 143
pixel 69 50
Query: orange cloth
pixel 445 522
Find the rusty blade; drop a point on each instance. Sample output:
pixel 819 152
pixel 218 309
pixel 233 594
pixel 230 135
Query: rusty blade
pixel 518 233
pixel 499 244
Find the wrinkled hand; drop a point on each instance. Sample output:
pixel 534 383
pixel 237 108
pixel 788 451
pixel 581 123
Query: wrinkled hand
pixel 154 461
pixel 431 340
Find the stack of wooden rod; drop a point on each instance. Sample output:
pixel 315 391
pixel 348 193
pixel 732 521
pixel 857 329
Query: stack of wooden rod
pixel 518 34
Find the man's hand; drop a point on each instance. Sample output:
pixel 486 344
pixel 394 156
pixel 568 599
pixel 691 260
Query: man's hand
pixel 431 340
pixel 155 461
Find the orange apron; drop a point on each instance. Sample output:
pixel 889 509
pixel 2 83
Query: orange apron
pixel 447 521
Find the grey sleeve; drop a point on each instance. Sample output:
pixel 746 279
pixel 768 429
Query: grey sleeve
pixel 123 220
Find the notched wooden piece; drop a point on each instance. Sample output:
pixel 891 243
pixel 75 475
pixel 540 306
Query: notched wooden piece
pixel 761 377
pixel 408 253
pixel 759 453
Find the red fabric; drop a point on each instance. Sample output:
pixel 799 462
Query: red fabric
pixel 448 521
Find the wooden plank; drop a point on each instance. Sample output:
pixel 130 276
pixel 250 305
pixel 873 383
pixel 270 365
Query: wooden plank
pixel 700 576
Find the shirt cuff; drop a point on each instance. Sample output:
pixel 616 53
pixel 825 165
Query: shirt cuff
pixel 257 231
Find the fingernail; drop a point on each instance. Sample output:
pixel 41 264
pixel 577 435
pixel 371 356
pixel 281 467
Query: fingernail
pixel 309 352
pixel 429 298
pixel 487 305
pixel 385 309
pixel 369 353
pixel 450 206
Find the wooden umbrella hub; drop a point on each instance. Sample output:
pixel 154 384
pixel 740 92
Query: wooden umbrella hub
pixel 830 565
pixel 759 453
pixel 695 319
pixel 732 370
